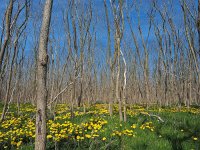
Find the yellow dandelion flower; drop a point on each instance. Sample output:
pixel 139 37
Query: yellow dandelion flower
pixel 195 138
pixel 19 143
pixel 133 126
pixel 88 136
pixel 78 137
pixel 104 138
pixel 49 136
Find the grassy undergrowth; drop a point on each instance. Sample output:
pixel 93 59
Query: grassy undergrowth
pixel 95 130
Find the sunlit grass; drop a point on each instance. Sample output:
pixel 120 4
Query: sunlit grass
pixel 95 129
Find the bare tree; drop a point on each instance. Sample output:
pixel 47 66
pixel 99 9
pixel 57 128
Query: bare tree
pixel 18 30
pixel 117 10
pixel 40 141
pixel 8 16
pixel 198 24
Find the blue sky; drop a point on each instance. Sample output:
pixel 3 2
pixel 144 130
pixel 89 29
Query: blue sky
pixel 100 25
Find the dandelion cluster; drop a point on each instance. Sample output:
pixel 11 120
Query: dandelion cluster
pixel 19 129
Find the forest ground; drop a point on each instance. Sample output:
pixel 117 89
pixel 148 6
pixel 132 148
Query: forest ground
pixel 153 129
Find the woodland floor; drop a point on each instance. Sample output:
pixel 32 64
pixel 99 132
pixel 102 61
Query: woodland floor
pixel 96 130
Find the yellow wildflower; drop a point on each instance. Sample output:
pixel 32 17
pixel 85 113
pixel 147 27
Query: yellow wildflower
pixel 19 143
pixel 104 138
pixel 88 136
pixel 49 136
pixel 195 138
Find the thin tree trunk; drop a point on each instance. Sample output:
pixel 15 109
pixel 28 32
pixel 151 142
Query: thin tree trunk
pixel 8 21
pixel 9 80
pixel 124 87
pixel 198 24
pixel 118 93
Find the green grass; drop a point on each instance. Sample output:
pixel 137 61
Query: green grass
pixel 179 131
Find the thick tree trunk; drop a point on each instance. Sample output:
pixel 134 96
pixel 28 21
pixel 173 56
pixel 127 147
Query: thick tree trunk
pixel 40 141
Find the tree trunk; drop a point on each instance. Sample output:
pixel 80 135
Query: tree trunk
pixel 198 24
pixel 198 28
pixel 118 93
pixel 8 21
pixel 40 141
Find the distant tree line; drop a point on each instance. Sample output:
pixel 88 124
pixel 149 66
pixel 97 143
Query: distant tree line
pixel 153 63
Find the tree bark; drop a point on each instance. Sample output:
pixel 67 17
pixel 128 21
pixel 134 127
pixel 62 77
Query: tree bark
pixel 8 22
pixel 198 24
pixel 40 141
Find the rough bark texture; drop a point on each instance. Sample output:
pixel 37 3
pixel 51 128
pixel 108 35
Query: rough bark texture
pixel 40 141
